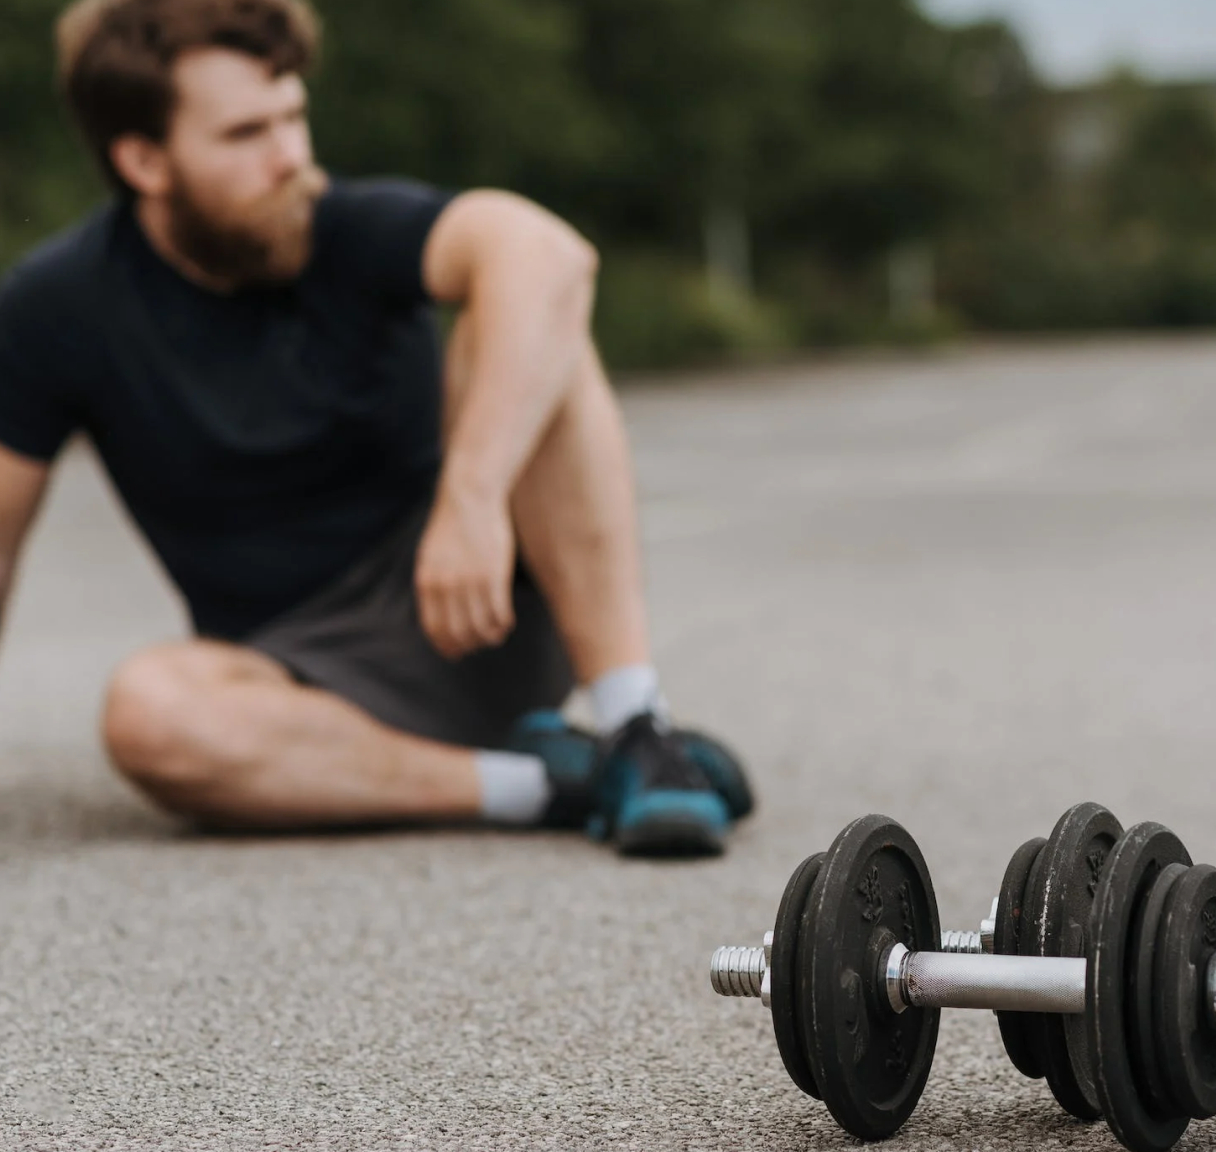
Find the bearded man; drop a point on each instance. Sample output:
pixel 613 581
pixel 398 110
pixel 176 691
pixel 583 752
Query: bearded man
pixel 398 558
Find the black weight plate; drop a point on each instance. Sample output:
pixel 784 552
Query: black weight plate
pixel 1063 882
pixel 1006 942
pixel 870 1063
pixel 785 982
pixel 1130 869
pixel 1033 1029
pixel 1141 965
pixel 1187 1041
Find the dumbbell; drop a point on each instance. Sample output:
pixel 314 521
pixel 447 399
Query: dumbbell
pixel 1103 974
pixel 1049 906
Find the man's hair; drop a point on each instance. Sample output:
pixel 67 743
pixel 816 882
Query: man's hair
pixel 116 57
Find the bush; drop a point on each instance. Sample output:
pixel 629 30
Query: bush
pixel 656 312
pixel 1048 283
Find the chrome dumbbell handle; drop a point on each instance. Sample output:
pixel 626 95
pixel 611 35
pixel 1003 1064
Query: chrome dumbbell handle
pixel 946 980
pixel 1001 983
pixel 952 978
pixel 740 971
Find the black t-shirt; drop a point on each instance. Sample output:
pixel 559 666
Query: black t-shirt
pixel 261 440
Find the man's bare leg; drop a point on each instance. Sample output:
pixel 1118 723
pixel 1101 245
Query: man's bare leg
pixel 223 734
pixel 575 515
pixel 576 522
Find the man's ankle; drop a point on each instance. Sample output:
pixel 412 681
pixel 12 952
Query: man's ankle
pixel 620 695
pixel 515 787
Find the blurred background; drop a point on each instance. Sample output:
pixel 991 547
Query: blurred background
pixel 768 176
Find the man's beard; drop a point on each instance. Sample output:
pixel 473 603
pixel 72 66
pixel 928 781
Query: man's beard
pixel 264 243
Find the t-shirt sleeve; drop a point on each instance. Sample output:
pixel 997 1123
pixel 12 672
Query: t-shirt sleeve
pixel 36 414
pixel 376 231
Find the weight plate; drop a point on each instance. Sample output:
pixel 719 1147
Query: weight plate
pixel 870 1063
pixel 784 966
pixel 1142 982
pixel 1131 868
pixel 1058 904
pixel 1006 942
pixel 1032 1022
pixel 1187 1047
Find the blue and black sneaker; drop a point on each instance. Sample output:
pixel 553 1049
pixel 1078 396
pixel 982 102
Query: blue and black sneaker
pixel 569 754
pixel 577 763
pixel 721 766
pixel 652 798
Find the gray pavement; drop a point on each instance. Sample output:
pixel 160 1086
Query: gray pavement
pixel 966 590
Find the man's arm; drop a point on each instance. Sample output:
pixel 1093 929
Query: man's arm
pixel 22 484
pixel 526 283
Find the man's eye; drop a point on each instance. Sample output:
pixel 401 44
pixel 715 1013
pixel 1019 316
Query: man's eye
pixel 245 132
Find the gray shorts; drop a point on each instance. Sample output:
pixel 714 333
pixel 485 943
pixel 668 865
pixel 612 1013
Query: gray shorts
pixel 361 639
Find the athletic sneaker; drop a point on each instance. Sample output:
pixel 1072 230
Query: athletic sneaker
pixel 570 755
pixel 652 798
pixel 723 768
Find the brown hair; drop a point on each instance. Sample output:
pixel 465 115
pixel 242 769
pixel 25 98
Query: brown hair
pixel 116 57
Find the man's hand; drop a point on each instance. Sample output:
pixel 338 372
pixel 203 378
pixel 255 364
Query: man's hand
pixel 464 573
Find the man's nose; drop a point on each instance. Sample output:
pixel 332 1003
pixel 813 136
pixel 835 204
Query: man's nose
pixel 290 150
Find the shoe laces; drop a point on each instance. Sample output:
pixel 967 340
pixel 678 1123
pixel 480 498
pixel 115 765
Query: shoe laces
pixel 648 742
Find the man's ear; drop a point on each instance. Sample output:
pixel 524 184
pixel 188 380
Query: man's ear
pixel 142 163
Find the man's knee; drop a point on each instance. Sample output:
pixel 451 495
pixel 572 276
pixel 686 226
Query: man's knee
pixel 156 713
pixel 144 719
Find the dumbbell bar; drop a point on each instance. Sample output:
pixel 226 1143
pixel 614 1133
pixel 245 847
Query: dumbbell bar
pixel 740 971
pixel 851 1011
pixel 944 980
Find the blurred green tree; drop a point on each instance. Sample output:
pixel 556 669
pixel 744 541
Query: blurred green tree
pixel 45 180
pixel 1164 176
pixel 759 174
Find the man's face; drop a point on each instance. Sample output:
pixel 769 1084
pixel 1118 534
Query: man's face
pixel 244 183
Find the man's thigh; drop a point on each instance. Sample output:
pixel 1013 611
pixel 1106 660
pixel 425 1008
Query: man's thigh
pixel 197 663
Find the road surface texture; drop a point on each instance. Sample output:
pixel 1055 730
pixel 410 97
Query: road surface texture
pixel 966 590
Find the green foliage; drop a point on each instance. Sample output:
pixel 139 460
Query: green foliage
pixel 832 132
pixel 44 178
pixel 1129 244
pixel 1164 177
pixel 655 312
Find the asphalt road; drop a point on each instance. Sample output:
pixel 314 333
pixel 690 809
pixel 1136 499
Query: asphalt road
pixel 966 590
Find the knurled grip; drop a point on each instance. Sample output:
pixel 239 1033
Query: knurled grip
pixel 1001 983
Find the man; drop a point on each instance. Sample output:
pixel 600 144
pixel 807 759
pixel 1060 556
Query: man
pixel 397 563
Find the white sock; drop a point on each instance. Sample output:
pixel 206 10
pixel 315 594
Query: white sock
pixel 515 788
pixel 618 696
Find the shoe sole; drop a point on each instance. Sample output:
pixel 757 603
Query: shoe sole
pixel 672 837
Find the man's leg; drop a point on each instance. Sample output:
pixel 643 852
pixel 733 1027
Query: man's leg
pixel 223 734
pixel 575 515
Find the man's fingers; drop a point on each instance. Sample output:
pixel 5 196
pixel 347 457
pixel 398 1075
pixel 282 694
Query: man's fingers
pixel 433 620
pixel 502 609
pixel 460 619
pixel 490 613
pixel 460 633
pixel 479 613
pixel 440 621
